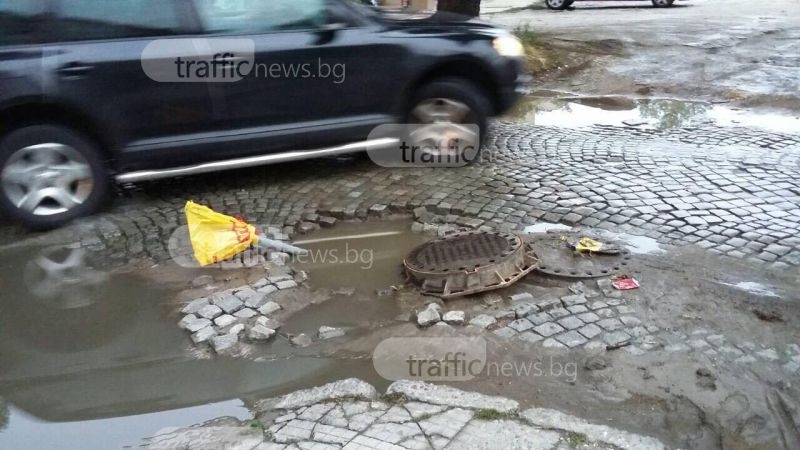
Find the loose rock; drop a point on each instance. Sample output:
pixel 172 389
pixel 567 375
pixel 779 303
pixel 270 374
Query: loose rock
pixel 224 320
pixel 224 343
pixel 430 315
pixel 195 305
pixel 204 334
pixel 260 333
pixel 301 340
pixel 326 332
pixel 455 317
pixel 269 308
pixel 210 312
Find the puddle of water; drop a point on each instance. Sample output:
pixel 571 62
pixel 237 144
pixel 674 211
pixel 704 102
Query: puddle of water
pixel 92 360
pixel 544 227
pixel 574 112
pixel 365 256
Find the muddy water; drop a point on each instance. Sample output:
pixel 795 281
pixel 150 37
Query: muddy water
pixel 547 110
pixel 94 360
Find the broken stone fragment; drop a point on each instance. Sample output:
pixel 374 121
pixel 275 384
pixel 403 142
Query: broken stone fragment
pixel 195 305
pixel 260 333
pixel 455 317
pixel 327 222
pixel 288 284
pixel 210 312
pixel 522 297
pixel 430 315
pixel 301 340
pixel 269 308
pixel 204 334
pixel 269 323
pixel 326 332
pixel 224 343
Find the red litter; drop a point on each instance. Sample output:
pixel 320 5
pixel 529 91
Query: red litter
pixel 625 284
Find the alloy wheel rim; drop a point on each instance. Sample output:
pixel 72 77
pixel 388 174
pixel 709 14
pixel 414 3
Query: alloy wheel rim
pixel 443 126
pixel 47 179
pixel 555 3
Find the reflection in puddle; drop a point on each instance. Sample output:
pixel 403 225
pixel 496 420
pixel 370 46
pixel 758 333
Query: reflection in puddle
pixel 365 256
pixel 90 359
pixel 573 112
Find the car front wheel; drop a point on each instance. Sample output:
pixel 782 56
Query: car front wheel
pixel 449 120
pixel 49 175
pixel 557 5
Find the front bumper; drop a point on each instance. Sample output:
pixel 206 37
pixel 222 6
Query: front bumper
pixel 508 96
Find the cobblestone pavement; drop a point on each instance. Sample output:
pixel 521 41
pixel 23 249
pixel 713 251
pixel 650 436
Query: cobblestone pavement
pixel 734 191
pixel 350 415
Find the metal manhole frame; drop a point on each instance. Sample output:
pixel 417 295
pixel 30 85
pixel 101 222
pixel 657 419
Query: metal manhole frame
pixel 454 283
pixel 621 262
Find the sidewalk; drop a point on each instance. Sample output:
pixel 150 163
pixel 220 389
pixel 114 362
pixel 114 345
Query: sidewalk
pixel 349 414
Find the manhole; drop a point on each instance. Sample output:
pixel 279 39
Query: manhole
pixel 558 259
pixel 470 262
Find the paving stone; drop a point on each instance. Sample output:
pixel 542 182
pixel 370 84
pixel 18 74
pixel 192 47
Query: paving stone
pixel 529 337
pixel 195 305
pixel 224 342
pixel 482 321
pixel 224 320
pixel 505 332
pixel 524 310
pixel 245 313
pixel 210 312
pixel 204 334
pixel 548 329
pixel 572 300
pixel 269 308
pixel 227 302
pixel 326 332
pixel 588 317
pixel 521 325
pixel 449 396
pixel 430 315
pixel 557 313
pixel 455 317
pixel 552 343
pixel 540 318
pixel 590 331
pixel 630 321
pixel 616 338
pixel 571 339
pixel 610 324
pixel 570 322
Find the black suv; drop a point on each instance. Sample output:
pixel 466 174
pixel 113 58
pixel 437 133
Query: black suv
pixel 98 91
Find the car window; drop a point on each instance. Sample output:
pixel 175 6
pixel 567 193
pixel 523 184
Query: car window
pixel 20 21
pixel 260 16
pixel 116 19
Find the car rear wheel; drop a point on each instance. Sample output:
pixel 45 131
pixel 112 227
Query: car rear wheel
pixel 449 119
pixel 663 3
pixel 557 5
pixel 50 175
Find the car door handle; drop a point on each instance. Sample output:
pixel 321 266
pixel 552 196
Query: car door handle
pixel 74 70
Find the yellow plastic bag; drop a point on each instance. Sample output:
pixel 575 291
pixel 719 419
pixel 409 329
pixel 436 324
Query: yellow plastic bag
pixel 588 245
pixel 216 237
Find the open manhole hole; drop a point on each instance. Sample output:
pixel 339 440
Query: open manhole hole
pixel 471 262
pixel 558 259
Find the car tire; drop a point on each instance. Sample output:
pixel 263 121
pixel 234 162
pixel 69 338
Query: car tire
pixel 470 100
pixel 50 175
pixel 557 5
pixel 663 3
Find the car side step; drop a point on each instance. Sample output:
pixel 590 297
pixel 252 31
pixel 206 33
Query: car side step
pixel 252 161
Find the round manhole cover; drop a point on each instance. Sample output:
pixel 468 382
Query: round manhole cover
pixel 557 258
pixel 471 262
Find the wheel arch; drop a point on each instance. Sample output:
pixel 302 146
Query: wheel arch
pixel 471 70
pixel 29 113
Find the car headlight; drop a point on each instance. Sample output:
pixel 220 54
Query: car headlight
pixel 508 45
